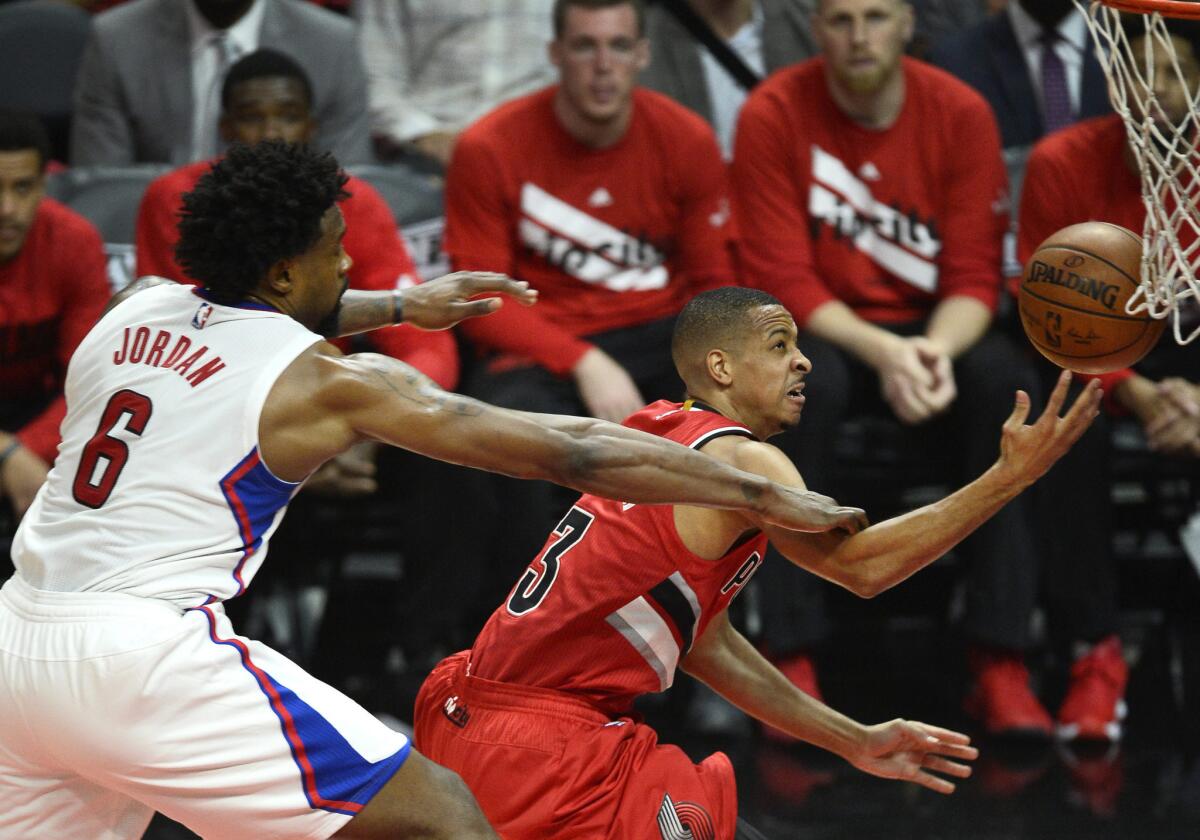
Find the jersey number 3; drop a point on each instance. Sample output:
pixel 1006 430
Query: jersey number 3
pixel 534 586
pixel 92 490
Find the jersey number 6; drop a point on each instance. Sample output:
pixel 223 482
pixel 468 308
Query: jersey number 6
pixel 533 587
pixel 91 490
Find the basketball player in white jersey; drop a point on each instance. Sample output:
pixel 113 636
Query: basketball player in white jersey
pixel 194 416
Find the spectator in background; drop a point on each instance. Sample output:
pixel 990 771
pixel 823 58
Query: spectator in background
pixel 52 288
pixel 268 96
pixel 150 79
pixel 765 34
pixel 937 20
pixel 1081 574
pixel 435 67
pixel 871 199
pixel 1034 64
pixel 612 202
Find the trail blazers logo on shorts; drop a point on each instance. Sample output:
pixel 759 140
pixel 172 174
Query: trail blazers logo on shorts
pixel 684 821
pixel 456 712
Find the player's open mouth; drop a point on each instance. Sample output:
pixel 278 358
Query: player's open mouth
pixel 796 393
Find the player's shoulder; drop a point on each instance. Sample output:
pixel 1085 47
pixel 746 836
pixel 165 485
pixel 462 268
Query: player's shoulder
pixel 793 90
pixel 61 223
pixel 661 110
pixel 364 200
pixel 751 455
pixel 1082 140
pixel 508 123
pixel 175 182
pixel 950 94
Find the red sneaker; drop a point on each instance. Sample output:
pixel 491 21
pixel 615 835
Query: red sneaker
pixel 1095 703
pixel 1001 698
pixel 802 673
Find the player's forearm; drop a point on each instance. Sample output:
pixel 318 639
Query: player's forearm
pixel 362 311
pixel 728 664
pixel 957 323
pixel 613 461
pixel 881 556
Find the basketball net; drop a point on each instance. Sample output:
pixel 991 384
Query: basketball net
pixel 1167 156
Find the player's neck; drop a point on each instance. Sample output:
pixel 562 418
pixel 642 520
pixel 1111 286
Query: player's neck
pixel 593 134
pixel 877 110
pixel 720 404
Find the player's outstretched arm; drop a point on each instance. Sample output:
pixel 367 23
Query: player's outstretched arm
pixel 436 305
pixel 724 660
pixel 881 556
pixel 325 402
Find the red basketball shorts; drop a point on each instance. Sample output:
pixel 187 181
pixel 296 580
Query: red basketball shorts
pixel 544 764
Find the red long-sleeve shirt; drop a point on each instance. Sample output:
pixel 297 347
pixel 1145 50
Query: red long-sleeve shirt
pixel 381 262
pixel 1077 175
pixel 888 221
pixel 51 293
pixel 610 238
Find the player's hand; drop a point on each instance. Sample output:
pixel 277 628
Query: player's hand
pixel 442 303
pixel 21 475
pixel 910 751
pixel 1173 424
pixel 804 510
pixel 1026 452
pixel 438 145
pixel 905 381
pixel 607 390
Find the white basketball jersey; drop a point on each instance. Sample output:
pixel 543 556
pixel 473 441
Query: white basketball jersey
pixel 158 489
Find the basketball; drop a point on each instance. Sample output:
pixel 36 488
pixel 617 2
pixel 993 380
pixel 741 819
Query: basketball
pixel 1072 299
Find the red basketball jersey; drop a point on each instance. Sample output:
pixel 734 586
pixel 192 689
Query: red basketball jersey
pixel 615 600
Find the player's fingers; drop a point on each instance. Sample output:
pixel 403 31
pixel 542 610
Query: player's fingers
pixel 478 282
pixel 945 736
pixel 1020 412
pixel 851 520
pixel 942 765
pixel 934 783
pixel 1058 396
pixel 1085 408
pixel 475 308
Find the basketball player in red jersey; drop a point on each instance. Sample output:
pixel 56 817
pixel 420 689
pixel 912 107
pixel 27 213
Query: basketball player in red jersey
pixel 536 716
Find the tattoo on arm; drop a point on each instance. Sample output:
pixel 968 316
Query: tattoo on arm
pixel 412 385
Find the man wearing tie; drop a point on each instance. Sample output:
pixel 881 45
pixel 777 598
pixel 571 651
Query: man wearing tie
pixel 149 82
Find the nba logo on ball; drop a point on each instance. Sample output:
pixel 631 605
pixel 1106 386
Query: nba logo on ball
pixel 1073 296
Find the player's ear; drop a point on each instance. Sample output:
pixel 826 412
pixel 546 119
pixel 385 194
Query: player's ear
pixel 719 367
pixel 278 278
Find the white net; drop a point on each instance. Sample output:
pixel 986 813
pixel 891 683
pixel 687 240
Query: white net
pixel 1159 100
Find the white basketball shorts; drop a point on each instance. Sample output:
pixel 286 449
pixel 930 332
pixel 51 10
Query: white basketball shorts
pixel 113 707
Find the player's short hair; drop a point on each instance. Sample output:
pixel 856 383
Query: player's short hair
pixel 256 206
pixel 21 131
pixel 561 6
pixel 713 318
pixel 265 63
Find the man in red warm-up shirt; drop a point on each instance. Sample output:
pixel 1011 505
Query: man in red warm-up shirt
pixel 52 288
pixel 871 198
pixel 1091 162
pixel 611 201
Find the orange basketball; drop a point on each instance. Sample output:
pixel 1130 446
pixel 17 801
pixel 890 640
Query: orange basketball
pixel 1073 294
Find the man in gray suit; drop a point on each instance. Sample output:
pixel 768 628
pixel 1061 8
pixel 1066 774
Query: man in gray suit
pixel 150 78
pixel 765 34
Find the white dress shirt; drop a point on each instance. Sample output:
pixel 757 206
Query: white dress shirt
pixel 725 94
pixel 208 69
pixel 434 65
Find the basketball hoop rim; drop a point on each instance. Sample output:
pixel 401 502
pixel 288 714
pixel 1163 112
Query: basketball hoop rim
pixel 1167 8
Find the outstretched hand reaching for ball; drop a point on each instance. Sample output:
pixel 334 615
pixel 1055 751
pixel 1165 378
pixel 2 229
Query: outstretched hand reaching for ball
pixel 908 751
pixel 1027 451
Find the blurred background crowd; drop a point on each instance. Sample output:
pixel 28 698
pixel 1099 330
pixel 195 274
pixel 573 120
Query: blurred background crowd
pixel 882 167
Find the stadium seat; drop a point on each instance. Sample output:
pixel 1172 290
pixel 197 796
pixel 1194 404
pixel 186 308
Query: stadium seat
pixel 41 43
pixel 108 197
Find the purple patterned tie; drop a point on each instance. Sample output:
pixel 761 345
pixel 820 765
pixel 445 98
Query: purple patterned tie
pixel 1056 98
